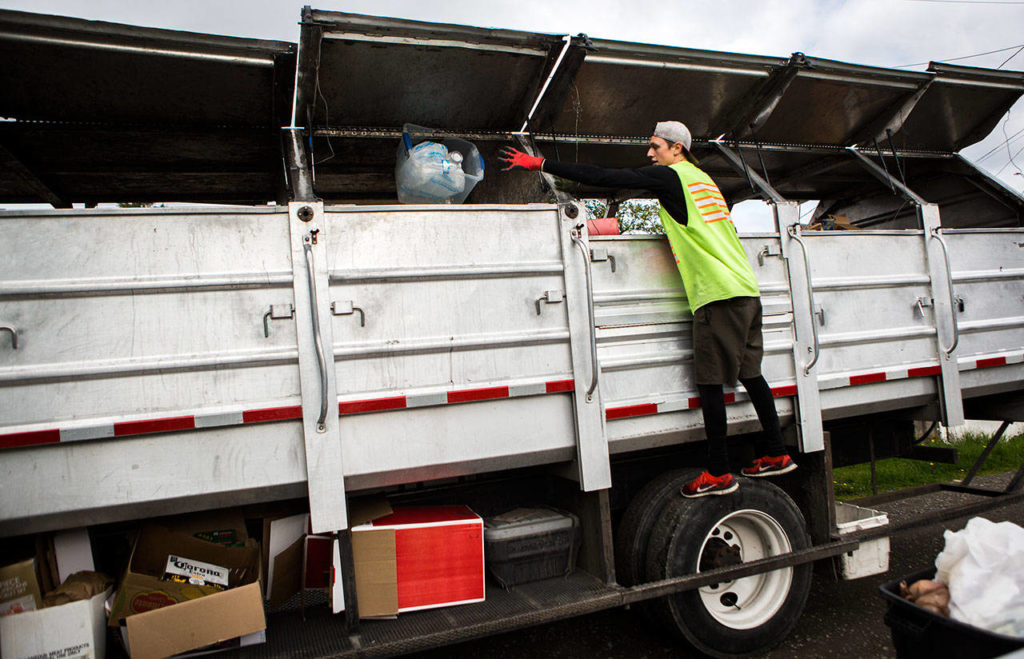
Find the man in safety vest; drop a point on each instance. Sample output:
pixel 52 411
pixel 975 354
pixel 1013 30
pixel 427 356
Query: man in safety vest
pixel 720 287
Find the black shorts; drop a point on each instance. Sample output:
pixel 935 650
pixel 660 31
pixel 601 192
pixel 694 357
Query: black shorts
pixel 727 343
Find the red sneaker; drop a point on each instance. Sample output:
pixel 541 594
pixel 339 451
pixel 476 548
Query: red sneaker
pixel 706 484
pixel 769 466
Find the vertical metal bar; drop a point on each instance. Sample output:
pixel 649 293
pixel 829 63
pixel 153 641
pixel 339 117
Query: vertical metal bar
pixel 794 231
pixel 325 473
pixel 348 580
pixel 985 453
pixel 596 549
pixel 585 253
pixel 593 465
pixel 871 452
pixel 318 343
pixel 300 178
pixel 805 332
pixel 814 492
pixel 945 321
pixel 936 233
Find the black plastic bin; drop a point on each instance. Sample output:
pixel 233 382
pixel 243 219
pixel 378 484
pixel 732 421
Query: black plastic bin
pixel 918 632
pixel 530 544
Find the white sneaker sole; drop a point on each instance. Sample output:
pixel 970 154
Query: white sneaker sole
pixel 773 472
pixel 712 493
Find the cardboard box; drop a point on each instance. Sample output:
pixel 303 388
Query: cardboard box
pixel 282 556
pixel 294 558
pixel 73 553
pixel 197 623
pixel 163 618
pixel 222 527
pixel 19 588
pixel 419 557
pixel 76 629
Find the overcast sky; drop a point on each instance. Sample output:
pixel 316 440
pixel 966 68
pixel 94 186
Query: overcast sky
pixel 890 33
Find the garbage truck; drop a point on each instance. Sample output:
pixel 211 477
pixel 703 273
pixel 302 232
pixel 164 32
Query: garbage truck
pixel 260 320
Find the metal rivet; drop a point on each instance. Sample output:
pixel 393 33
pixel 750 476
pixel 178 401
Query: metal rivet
pixel 305 213
pixel 571 212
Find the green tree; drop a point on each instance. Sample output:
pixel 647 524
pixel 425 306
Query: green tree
pixel 635 215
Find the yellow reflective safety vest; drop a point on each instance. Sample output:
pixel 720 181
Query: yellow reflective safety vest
pixel 707 250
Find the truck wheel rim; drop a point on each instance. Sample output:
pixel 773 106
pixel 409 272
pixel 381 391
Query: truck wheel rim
pixel 744 536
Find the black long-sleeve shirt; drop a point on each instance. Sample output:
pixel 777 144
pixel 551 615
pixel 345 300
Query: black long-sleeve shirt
pixel 659 179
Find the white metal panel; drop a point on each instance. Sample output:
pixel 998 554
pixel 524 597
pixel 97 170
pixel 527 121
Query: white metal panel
pixel 123 314
pixel 109 480
pixel 988 276
pixel 451 300
pixel 428 443
pixel 645 339
pixel 867 286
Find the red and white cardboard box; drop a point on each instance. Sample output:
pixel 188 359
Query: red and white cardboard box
pixel 438 554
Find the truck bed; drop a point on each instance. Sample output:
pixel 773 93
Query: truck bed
pixel 143 382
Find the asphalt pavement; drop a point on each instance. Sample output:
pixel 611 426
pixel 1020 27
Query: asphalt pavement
pixel 841 618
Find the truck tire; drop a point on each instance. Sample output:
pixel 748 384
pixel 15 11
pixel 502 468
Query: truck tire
pixel 741 616
pixel 634 532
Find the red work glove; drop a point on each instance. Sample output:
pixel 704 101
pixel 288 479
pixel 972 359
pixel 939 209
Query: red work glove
pixel 516 158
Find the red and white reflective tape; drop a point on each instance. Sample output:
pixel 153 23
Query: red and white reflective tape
pixel 999 360
pixel 870 377
pixel 361 406
pixel 930 370
pixel 828 382
pixel 679 404
pixel 283 413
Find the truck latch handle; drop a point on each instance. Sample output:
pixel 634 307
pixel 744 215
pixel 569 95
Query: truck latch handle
pixel 14 334
pixel 550 297
pixel 765 253
pixel 598 254
pixel 277 312
pixel 346 308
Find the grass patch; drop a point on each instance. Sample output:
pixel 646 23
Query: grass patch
pixel 854 481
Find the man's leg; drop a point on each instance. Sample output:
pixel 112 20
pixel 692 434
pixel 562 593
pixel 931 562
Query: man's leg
pixel 768 442
pixel 717 479
pixel 712 363
pixel 772 457
pixel 712 406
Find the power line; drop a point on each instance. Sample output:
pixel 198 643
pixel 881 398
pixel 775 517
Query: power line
pixel 1019 47
pixel 1000 145
pixel 1010 58
pixel 1010 162
pixel 1008 147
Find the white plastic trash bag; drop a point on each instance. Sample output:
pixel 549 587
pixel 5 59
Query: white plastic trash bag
pixel 983 565
pixel 430 171
pixel 434 168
